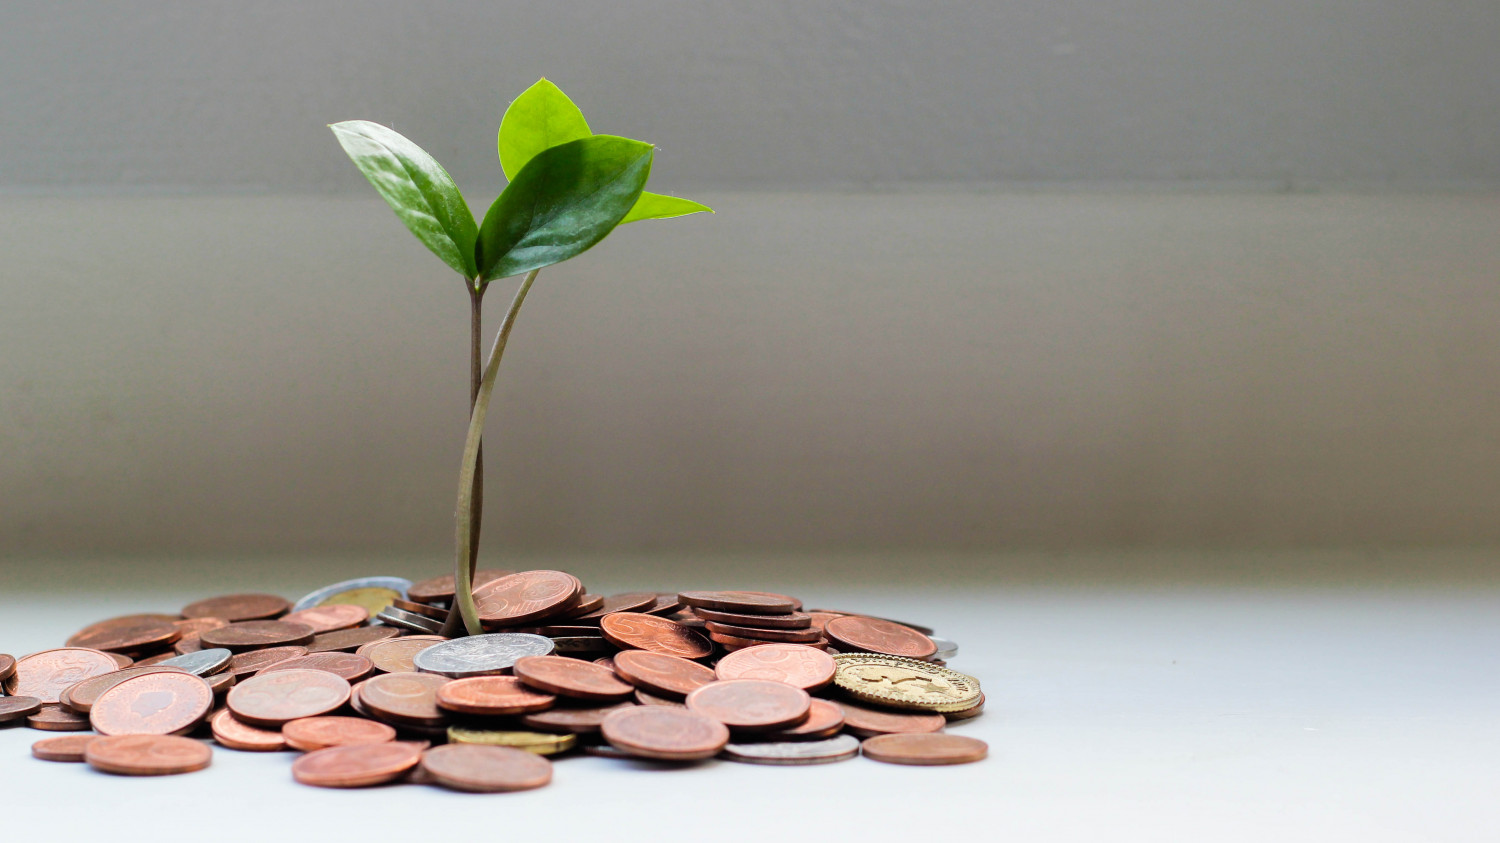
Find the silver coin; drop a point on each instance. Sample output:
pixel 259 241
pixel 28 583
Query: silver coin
pixel 202 663
pixel 392 616
pixel 393 583
pixel 481 655
pixel 946 649
pixel 840 748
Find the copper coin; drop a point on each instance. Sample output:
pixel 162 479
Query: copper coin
pixel 645 698
pixel 313 733
pixel 492 695
pixel 188 643
pixel 925 749
pixel 792 664
pixel 664 733
pixel 607 662
pixel 44 675
pixel 797 636
pixel 15 708
pixel 631 630
pixel 440 589
pixel 872 635
pixel 349 640
pixel 52 717
pixel 220 683
pixel 330 617
pixel 66 748
pixel 752 704
pixel 730 643
pixel 233 734
pixel 254 661
pixel 422 609
pixel 122 661
pixel 824 720
pixel 147 755
pixel 571 678
pixel 527 596
pixel 81 697
pixel 7 666
pixel 821 619
pixel 405 698
pixel 666 604
pixel 238 607
pixel 791 620
pixel 925 630
pixel 194 626
pixel 350 666
pixel 129 634
pixel 165 703
pixel 634 601
pixel 668 676
pixel 868 722
pixel 744 602
pixel 257 635
pixel 965 713
pixel 356 765
pixel 394 655
pixel 587 605
pixel 571 720
pixel 485 769
pixel 270 699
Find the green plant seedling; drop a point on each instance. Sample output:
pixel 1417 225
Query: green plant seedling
pixel 568 189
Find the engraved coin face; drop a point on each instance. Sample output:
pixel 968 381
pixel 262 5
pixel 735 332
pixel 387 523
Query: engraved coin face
pixel 330 617
pixel 904 683
pixel 872 635
pixel 485 769
pixel 670 676
pixel 800 667
pixel 664 733
pixel 350 666
pixel 356 765
pixel 481 655
pixel 526 596
pixel 164 703
pixel 271 699
pixel 130 634
pixel 81 697
pixel 313 733
pixel 46 674
pixel 257 635
pixel 840 748
pixel 409 698
pixel 394 655
pixel 572 678
pixel 147 755
pixel 238 607
pixel 634 631
pixel 751 704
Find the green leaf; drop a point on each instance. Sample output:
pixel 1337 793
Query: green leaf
pixel 565 200
pixel 540 118
pixel 416 187
pixel 657 206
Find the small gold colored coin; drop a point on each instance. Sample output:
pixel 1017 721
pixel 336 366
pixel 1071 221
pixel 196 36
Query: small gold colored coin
pixel 373 600
pixel 896 682
pixel 537 742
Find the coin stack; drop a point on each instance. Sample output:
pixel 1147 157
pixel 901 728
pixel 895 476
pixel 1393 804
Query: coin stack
pixel 357 677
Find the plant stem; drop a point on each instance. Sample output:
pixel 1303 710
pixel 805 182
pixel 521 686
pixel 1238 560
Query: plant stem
pixel 451 628
pixel 463 581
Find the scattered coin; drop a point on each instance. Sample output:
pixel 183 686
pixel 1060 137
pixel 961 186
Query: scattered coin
pixel 313 733
pixel 7 666
pixel 946 650
pixel 15 708
pixel 81 696
pixel 349 640
pixel 233 734
pixel 257 635
pixel 404 698
pixel 800 667
pixel 866 722
pixel 163 703
pixel 246 664
pixel 330 617
pixel 44 675
pixel 587 604
pixel 422 609
pixel 801 636
pixel 370 593
pixel 743 602
pixel 393 616
pixel 394 655
pixel 965 713
pixel 572 678
pixel 131 634
pixel 195 626
pixel 53 717
pixel 791 620
pixel 121 660
pixel 485 769
pixel 635 631
pixel 356 765
pixel 645 698
pixel 571 720
pixel 270 699
pixel 350 666
pixel 491 696
pixel 527 596
pixel 238 607
pixel 832 613
pixel 751 704
pixel 481 655
pixel 904 683
pixel 840 748
pixel 534 742
pixel 635 601
pixel 440 589
pixel 666 604
pixel 147 755
pixel 66 748
pixel 662 675
pixel 928 749
pixel 664 733
pixel 872 635
pixel 201 663
pixel 824 720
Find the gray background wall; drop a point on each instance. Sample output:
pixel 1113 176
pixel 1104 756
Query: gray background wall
pixel 983 277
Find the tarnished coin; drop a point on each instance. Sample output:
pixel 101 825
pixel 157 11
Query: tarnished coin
pixel 867 722
pixel 16 708
pixel 270 699
pixel 635 631
pixel 81 697
pixel 485 769
pixel 492 695
pixel 525 597
pixel 404 698
pixel 791 620
pixel 44 675
pixel 927 749
pixel 800 667
pixel 370 593
pixel 53 717
pixel 130 634
pixel 572 678
pixel 313 733
pixel 147 755
pixel 481 655
pixel 238 607
pixel 824 720
pixel 66 748
pixel 895 682
pixel 162 703
pixel 330 617
pixel 668 676
pixel 356 765
pixel 571 720
pixel 349 640
pixel 350 666
pixel 535 742
pixel 797 636
pixel 841 748
pixel 254 661
pixel 201 663
pixel 751 704
pixel 257 635
pixel 392 616
pixel 233 734
pixel 872 635
pixel 634 601
pixel 440 589
pixel 743 602
pixel 394 655
pixel 7 666
pixel 664 733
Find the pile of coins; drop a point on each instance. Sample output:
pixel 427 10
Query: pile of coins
pixel 357 677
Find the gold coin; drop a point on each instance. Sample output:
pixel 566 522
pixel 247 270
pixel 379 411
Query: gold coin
pixel 374 599
pixel 540 743
pixel 896 682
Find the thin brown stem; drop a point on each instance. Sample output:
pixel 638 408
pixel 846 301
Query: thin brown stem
pixel 454 626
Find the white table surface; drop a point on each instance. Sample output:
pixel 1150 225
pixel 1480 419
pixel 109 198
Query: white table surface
pixel 1205 714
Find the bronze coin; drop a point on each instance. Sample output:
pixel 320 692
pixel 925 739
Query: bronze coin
pixel 270 699
pixel 81 697
pixel 233 734
pixel 220 683
pixel 350 666
pixel 664 733
pixel 122 661
pixel 7 666
pixel 44 675
pixel 791 620
pixel 824 720
pixel 571 678
pixel 744 602
pixel 422 609
pixel 147 755
pixel 166 703
pixel 792 664
pixel 15 708
pixel 731 643
pixel 356 765
pixel 313 733
pixel 576 721
pixel 194 626
pixel 607 662
pixel 872 635
pixel 666 604
pixel 965 713
pixel 440 589
pixel 254 661
pixel 527 596
pixel 667 676
pixel 188 643
pixel 394 655
pixel 645 698
pixel 349 640
pixel 404 698
pixel 330 617
pixel 821 619
pixel 634 601
pixel 925 749
pixel 129 635
pixel 52 717
pixel 925 630
pixel 795 636
pixel 257 635
pixel 587 605
pixel 631 630
pixel 66 748
pixel 238 607
pixel 485 769
pixel 868 722
pixel 752 704
pixel 492 695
